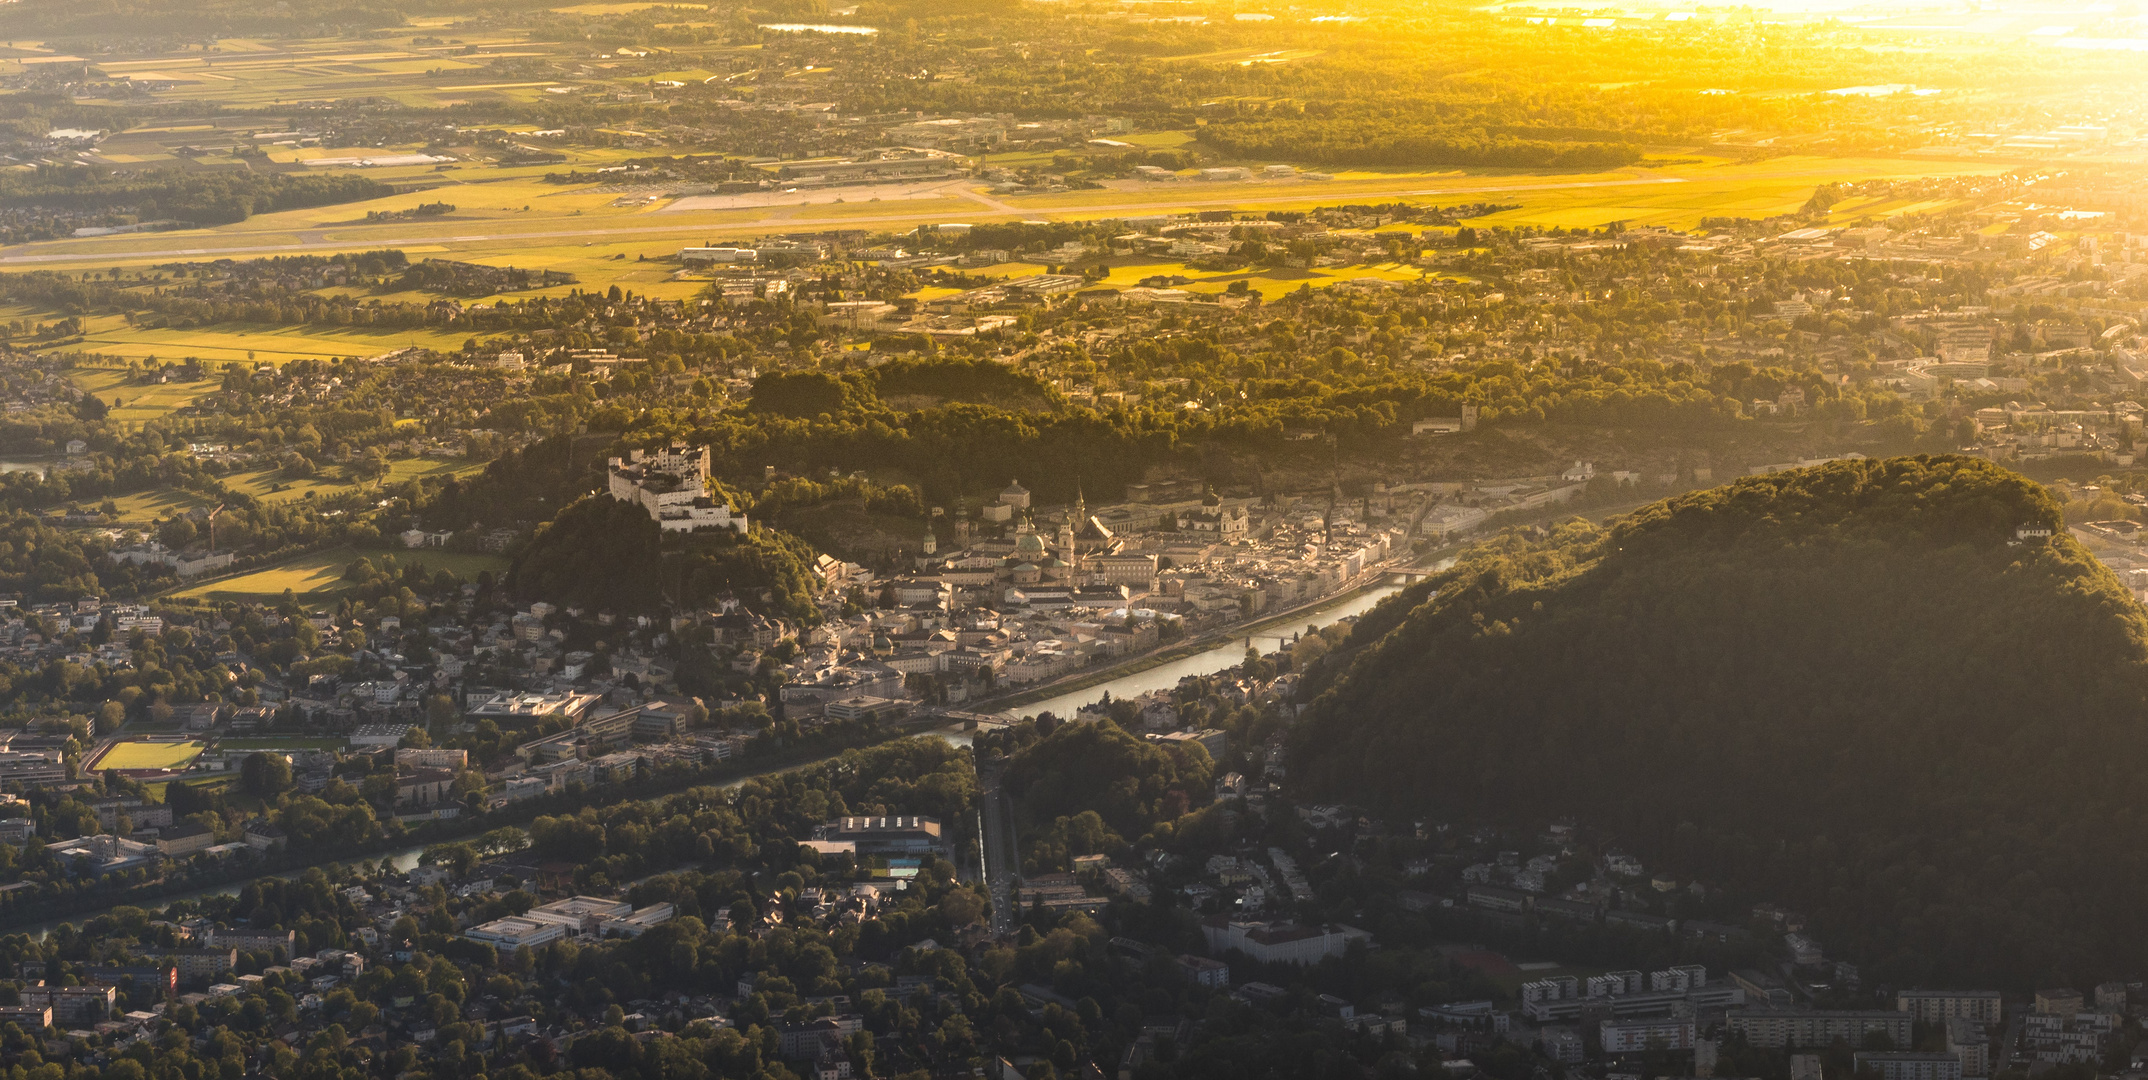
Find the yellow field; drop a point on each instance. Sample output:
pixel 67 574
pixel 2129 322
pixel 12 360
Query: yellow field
pixel 491 223
pixel 269 485
pixel 406 469
pixel 1268 282
pixel 322 572
pixel 141 403
pixel 157 503
pixel 622 9
pixel 233 342
pixel 148 755
pixel 264 484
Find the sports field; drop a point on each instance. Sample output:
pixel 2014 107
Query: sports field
pixel 148 755
pixel 322 572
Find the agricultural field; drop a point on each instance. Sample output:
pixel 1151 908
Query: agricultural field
pixel 148 755
pixel 520 220
pixel 268 73
pixel 136 404
pixel 515 218
pixel 1269 282
pixel 270 485
pixel 322 572
pixel 402 470
pixel 111 335
pixel 142 507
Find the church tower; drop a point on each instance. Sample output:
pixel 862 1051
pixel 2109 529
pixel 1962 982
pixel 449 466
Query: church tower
pixel 1066 541
pixel 1077 520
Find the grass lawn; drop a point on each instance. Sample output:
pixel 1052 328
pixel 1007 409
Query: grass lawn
pixel 404 469
pixel 322 572
pixel 1270 282
pixel 147 755
pixel 140 403
pixel 519 220
pixel 270 485
pixel 222 783
pixel 228 343
pixel 156 503
pixel 283 742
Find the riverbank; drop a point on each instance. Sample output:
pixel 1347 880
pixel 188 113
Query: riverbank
pixel 1178 650
pixel 40 917
pixel 1214 652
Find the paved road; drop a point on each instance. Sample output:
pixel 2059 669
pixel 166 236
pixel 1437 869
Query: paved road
pixel 1001 861
pixel 312 240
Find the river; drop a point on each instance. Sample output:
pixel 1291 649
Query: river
pixel 1230 652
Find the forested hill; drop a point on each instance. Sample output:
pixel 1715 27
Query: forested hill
pixel 1845 689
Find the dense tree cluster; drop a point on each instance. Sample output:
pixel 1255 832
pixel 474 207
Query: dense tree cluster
pixel 1089 789
pixel 1848 688
pixel 198 198
pixel 608 555
pixel 1401 141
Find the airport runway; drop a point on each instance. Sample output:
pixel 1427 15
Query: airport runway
pixel 33 254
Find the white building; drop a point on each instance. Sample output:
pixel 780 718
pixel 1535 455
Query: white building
pixel 1938 1006
pixel 1271 943
pixel 516 932
pixel 672 485
pixel 1635 1036
pixel 719 255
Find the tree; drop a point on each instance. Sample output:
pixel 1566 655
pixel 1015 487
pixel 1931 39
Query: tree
pixel 177 533
pixel 265 775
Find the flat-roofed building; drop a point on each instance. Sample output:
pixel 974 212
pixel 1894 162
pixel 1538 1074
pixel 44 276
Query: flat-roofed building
pixel 1938 1006
pixel 186 838
pixel 1904 1065
pixel 1277 942
pixel 1968 1040
pixel 511 709
pixel 28 1017
pixel 1638 1036
pixel 516 932
pixel 201 965
pixel 1775 1028
pixel 719 254
pixel 580 913
pixel 908 835
pixel 2062 1001
pixel 73 1006
pixel 253 941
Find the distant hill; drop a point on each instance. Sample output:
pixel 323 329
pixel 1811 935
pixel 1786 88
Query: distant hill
pixel 606 555
pixel 1846 689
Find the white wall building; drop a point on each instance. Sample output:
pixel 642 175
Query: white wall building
pixel 672 485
